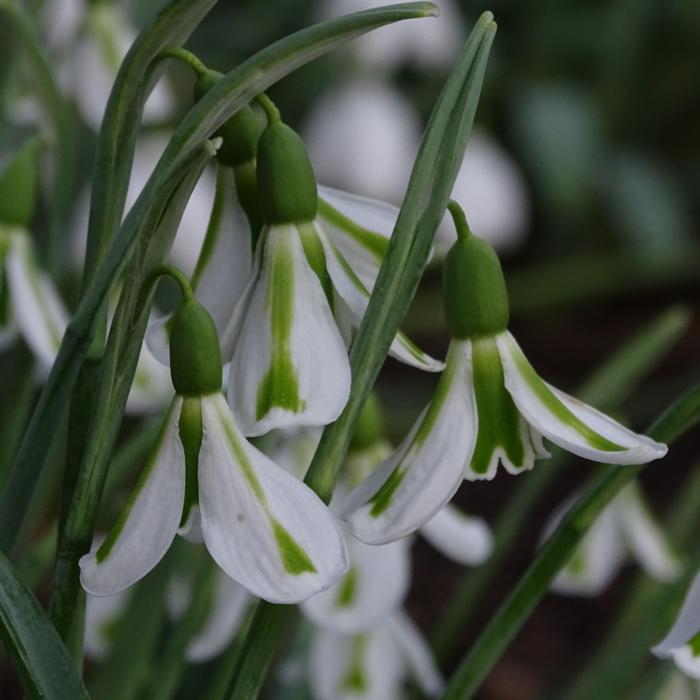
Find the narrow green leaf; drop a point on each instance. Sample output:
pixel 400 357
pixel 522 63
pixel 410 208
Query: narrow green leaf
pixel 557 551
pixel 608 387
pixel 226 97
pixel 37 652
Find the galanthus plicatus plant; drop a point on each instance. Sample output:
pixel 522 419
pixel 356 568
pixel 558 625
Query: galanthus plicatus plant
pixel 203 354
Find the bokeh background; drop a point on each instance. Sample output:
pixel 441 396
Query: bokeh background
pixel 584 172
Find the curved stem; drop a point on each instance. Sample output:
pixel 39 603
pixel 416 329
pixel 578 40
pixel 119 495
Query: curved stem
pixel 271 111
pixel 459 219
pixel 187 57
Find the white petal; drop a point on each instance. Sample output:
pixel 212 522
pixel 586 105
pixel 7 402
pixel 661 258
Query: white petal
pixel 230 604
pixel 566 421
pixel 361 667
pixel 192 529
pixel 424 473
pixel 375 585
pixel 158 337
pixel 596 560
pixel 644 536
pixel 417 655
pixel 263 527
pixel 356 298
pixel 301 378
pixel 152 387
pixel 147 526
pixel 37 309
pixel 229 265
pixel 359 228
pixel 100 613
pixel 687 623
pixel 687 661
pixel 463 538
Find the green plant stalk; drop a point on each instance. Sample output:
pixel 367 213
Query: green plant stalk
pixel 608 386
pixel 557 551
pixel 41 659
pixel 434 171
pixel 206 116
pixel 121 358
pixel 619 660
pixel 124 675
pixel 62 142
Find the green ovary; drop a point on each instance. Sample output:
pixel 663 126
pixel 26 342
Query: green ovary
pixel 498 417
pixel 280 386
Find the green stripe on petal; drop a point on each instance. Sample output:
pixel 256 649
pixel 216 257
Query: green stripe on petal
pixel 355 680
pixel 500 424
pixel 190 430
pixel 555 406
pixel 280 386
pixel 373 242
pixel 316 257
pixel 294 559
pixel 347 588
pixel 382 499
pixel 694 645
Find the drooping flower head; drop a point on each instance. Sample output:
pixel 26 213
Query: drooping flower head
pixel 263 527
pixel 490 407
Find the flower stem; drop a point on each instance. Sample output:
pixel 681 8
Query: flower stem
pixel 187 57
pixel 271 111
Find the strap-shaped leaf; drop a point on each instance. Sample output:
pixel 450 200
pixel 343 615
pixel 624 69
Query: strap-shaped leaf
pixel 37 652
pixel 231 93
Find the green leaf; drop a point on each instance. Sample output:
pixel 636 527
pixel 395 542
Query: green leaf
pixel 557 551
pixel 37 651
pixel 608 387
pixel 230 93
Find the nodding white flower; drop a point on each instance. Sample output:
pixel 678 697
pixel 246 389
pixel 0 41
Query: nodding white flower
pixel 429 44
pixel 625 529
pixel 373 665
pixel 682 643
pixel 490 407
pixel 289 365
pixel 262 526
pixel 91 70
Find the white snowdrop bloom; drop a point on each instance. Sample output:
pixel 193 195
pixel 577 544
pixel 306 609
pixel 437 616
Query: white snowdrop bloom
pixel 373 665
pixel 265 529
pixel 626 529
pixel 682 643
pixel 302 274
pixel 493 193
pixel 363 137
pixel 92 68
pixel 431 43
pixel 490 406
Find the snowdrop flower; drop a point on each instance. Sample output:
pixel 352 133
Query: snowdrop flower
pixel 264 528
pixel 490 407
pixel 429 45
pixel 682 643
pixel 372 665
pixel 278 378
pixel 625 529
pixel 93 66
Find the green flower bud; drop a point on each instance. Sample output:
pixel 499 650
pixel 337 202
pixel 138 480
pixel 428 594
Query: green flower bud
pixel 240 133
pixel 474 290
pixel 286 180
pixel 195 355
pixel 369 428
pixel 19 185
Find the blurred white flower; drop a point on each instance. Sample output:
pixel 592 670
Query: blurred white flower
pixel 363 138
pixel 626 529
pixel 431 43
pixel 91 69
pixel 60 22
pixel 101 614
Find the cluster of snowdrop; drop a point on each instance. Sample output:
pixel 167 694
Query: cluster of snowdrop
pixel 259 343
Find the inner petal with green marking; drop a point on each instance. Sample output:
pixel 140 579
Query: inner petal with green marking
pixel 502 433
pixel 280 386
pixel 355 679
